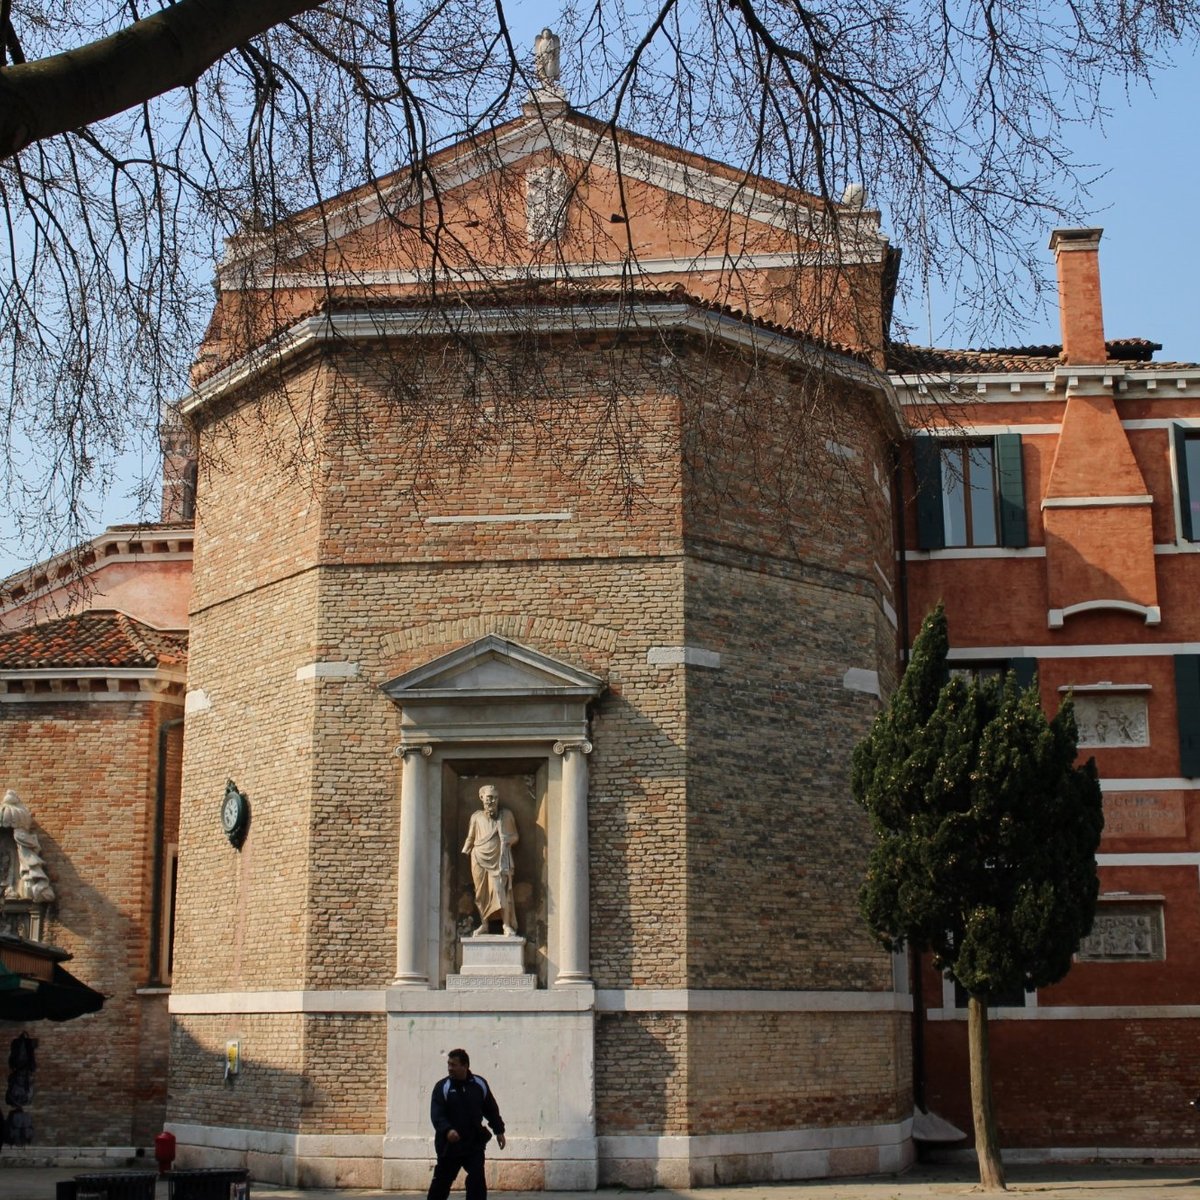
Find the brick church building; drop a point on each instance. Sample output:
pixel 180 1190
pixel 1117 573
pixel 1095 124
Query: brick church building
pixel 606 520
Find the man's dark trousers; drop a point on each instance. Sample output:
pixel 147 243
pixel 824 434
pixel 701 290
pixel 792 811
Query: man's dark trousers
pixel 449 1163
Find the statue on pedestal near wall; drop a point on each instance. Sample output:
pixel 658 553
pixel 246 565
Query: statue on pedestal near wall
pixel 490 839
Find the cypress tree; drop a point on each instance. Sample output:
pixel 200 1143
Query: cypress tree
pixel 985 837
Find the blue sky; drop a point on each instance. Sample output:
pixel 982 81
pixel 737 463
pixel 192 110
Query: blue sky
pixel 1148 153
pixel 1147 160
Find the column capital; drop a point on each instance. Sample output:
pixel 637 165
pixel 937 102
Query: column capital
pixel 403 751
pixel 580 744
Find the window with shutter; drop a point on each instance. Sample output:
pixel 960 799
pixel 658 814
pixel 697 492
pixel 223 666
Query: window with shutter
pixel 970 493
pixel 1187 706
pixel 1187 479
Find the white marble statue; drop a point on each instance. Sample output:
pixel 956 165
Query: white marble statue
pixel 490 839
pixel 31 881
pixel 547 48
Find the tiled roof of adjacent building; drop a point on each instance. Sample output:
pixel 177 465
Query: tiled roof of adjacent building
pixel 916 360
pixel 96 638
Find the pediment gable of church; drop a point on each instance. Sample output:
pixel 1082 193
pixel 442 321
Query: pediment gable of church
pixel 559 193
pixel 493 668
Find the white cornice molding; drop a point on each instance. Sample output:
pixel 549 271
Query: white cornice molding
pixel 381 1000
pixel 74 685
pixel 1096 501
pixel 561 271
pixel 1080 650
pixel 401 323
pixel 970 387
pixel 1078 1012
pixel 63 570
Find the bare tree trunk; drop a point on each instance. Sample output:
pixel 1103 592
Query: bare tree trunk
pixel 165 50
pixel 987 1147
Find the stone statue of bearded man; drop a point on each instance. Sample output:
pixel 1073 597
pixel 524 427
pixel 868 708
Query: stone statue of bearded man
pixel 490 839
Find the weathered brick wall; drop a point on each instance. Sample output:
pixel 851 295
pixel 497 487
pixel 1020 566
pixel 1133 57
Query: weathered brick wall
pixel 1113 1083
pixel 268 1093
pixel 776 845
pixel 749 1072
pixel 258 490
pixel 756 1072
pixel 242 914
pixel 345 1074
pixel 789 588
pixel 641 1073
pixel 87 772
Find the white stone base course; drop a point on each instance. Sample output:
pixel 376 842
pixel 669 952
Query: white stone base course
pixel 708 1160
pixel 83 1157
pixel 535 1164
pixel 1076 1154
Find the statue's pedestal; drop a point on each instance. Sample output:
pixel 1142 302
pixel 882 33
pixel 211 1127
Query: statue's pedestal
pixel 492 961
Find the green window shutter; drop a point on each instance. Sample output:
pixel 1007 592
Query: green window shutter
pixel 1181 479
pixel 1010 481
pixel 1187 705
pixel 927 460
pixel 1025 669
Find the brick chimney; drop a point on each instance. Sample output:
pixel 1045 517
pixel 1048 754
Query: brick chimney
pixel 1077 259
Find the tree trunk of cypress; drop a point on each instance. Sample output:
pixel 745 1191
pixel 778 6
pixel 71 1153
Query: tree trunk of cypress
pixel 987 1147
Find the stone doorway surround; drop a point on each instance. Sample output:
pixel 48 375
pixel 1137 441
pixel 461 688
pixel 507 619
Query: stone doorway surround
pixel 494 700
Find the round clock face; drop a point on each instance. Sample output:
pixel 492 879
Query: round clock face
pixel 235 815
pixel 231 811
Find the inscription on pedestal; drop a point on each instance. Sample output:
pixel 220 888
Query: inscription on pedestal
pixel 513 983
pixel 491 961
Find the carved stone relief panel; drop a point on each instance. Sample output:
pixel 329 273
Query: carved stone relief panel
pixel 25 890
pixel 1112 719
pixel 1125 932
pixel 546 191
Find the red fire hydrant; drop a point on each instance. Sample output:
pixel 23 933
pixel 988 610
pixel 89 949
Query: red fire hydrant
pixel 164 1151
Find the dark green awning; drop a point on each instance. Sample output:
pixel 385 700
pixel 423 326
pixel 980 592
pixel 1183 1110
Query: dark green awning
pixel 60 998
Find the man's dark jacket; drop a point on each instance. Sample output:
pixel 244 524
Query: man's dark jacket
pixel 464 1107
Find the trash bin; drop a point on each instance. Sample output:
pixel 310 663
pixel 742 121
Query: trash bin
pixel 122 1185
pixel 209 1183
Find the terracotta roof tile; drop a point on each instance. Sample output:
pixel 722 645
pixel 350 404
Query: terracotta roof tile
pixel 530 294
pixel 91 639
pixel 914 360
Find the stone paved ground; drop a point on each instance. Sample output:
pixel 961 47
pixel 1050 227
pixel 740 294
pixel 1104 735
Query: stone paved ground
pixel 1072 1181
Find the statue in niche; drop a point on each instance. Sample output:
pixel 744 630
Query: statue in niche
pixel 24 875
pixel 490 838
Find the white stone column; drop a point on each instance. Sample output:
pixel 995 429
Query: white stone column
pixel 573 914
pixel 411 967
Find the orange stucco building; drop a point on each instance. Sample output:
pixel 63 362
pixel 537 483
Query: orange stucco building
pixel 1053 503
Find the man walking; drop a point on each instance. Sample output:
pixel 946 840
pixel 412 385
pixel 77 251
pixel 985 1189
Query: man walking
pixel 460 1104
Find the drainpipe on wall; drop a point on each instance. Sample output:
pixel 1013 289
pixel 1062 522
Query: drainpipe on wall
pixel 914 958
pixel 156 881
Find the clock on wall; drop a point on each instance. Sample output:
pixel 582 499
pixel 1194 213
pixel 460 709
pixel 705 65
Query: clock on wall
pixel 235 815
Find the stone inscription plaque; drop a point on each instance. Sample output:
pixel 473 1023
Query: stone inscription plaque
pixel 1144 815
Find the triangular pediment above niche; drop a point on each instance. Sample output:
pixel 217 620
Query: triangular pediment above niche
pixel 493 668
